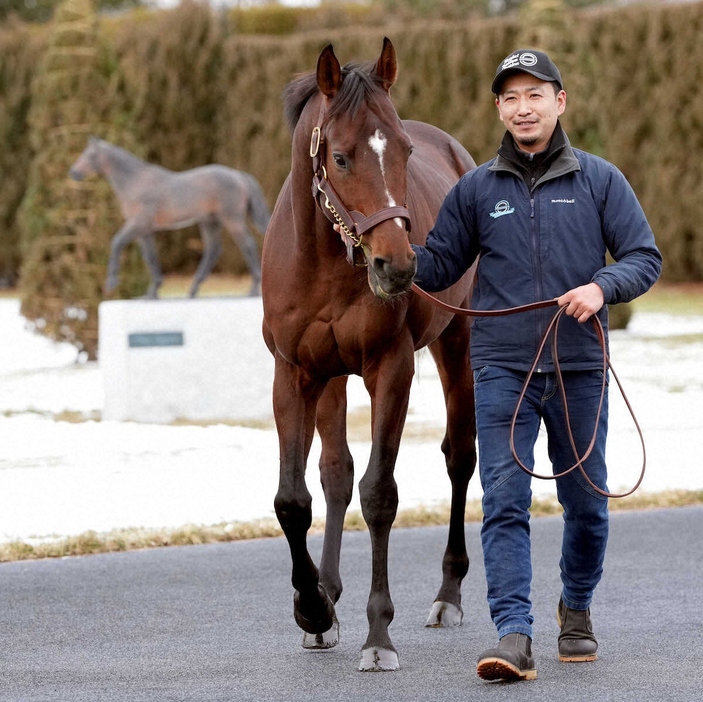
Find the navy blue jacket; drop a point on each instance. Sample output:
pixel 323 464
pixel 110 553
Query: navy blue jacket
pixel 536 245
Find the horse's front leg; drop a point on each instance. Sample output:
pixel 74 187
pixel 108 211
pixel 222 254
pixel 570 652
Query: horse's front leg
pixel 337 476
pixel 389 386
pixel 451 354
pixel 126 235
pixel 295 397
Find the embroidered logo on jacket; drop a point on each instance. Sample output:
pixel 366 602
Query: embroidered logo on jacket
pixel 502 208
pixel 565 200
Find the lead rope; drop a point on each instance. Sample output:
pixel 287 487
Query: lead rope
pixel 552 328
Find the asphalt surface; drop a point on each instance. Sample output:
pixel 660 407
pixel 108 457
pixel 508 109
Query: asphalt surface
pixel 214 623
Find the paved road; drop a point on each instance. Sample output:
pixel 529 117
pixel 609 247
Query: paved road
pixel 213 623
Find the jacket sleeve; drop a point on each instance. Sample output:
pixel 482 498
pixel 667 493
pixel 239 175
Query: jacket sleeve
pixel 452 244
pixel 630 241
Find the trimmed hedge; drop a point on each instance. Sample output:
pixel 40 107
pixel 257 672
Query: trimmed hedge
pixel 185 88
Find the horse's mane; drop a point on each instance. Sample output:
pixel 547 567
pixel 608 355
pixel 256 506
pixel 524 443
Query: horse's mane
pixel 359 83
pixel 118 153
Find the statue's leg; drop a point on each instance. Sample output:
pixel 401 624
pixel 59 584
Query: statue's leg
pixel 147 243
pixel 247 245
pixel 210 231
pixel 130 231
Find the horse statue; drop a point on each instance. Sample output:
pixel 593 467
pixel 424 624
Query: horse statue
pixel 373 175
pixel 153 199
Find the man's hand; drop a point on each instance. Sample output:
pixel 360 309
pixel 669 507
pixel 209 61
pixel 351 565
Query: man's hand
pixel 582 302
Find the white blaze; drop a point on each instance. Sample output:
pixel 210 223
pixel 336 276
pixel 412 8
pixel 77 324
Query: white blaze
pixel 377 142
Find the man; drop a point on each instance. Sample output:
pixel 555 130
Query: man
pixel 541 217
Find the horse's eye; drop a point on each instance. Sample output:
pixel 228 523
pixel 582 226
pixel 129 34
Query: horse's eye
pixel 340 161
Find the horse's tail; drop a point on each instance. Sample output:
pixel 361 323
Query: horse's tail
pixel 257 206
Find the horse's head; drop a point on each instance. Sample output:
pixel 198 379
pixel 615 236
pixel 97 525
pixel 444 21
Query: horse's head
pixel 362 152
pixel 88 163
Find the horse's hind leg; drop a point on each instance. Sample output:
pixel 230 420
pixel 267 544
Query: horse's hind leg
pixel 451 353
pixel 212 248
pixel 147 243
pixel 247 245
pixel 337 476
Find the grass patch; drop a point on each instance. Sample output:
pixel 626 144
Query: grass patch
pixel 215 285
pixel 262 424
pixel 92 542
pixel 672 298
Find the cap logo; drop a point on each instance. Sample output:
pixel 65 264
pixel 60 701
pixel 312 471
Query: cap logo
pixel 516 60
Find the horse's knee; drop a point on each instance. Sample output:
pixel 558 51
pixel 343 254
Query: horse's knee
pixel 379 502
pixel 460 457
pixel 293 512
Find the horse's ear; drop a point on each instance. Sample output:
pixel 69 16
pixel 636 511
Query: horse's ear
pixel 329 72
pixel 387 64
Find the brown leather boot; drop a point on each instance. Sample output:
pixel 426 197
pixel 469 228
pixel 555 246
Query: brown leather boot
pixel 512 660
pixel 576 640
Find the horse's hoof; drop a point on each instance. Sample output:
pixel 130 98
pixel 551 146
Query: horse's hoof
pixel 376 660
pixel 316 622
pixel 328 639
pixel 443 615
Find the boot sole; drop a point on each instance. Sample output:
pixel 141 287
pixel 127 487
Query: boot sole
pixel 499 669
pixel 578 659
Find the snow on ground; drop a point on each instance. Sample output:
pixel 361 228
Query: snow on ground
pixel 59 478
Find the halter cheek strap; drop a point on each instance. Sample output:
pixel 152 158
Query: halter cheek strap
pixel 353 224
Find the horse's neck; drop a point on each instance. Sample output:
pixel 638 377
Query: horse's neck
pixel 304 206
pixel 315 242
pixel 120 167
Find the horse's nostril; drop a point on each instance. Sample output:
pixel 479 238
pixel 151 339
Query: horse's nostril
pixel 379 265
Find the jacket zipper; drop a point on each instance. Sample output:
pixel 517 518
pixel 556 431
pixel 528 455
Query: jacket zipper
pixel 538 273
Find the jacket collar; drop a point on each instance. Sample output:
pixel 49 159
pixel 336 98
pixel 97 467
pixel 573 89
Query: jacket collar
pixel 559 155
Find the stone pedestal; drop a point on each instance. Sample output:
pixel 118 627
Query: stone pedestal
pixel 200 359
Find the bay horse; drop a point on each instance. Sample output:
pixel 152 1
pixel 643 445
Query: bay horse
pixel 324 319
pixel 153 198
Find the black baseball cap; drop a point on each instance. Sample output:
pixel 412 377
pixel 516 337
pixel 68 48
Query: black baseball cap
pixel 536 63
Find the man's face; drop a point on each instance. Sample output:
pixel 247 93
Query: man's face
pixel 529 108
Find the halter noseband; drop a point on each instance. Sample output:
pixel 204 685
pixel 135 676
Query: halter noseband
pixel 353 224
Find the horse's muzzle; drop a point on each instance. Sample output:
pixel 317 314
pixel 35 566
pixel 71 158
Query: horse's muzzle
pixel 387 280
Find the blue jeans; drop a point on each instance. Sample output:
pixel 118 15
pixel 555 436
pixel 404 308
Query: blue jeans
pixel 507 493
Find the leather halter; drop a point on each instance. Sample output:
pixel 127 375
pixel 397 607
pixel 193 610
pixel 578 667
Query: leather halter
pixel 353 224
